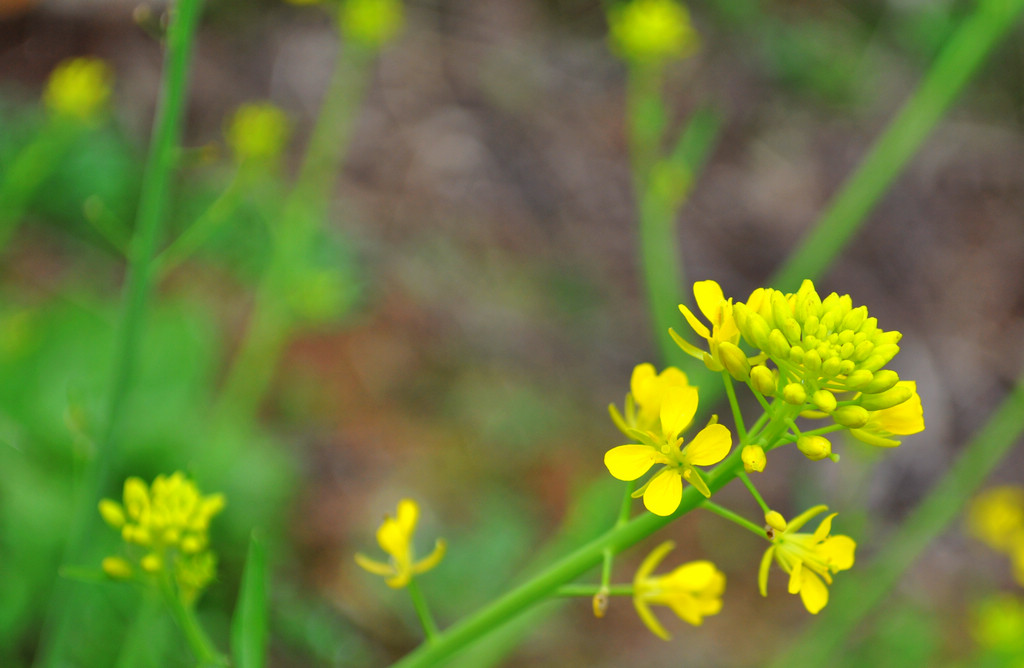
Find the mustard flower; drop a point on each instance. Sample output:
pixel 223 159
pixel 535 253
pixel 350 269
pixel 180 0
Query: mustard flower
pixel 651 31
pixel 996 517
pixel 693 590
pixel 167 527
pixel 998 624
pixel 718 310
pixel 647 389
pixel 371 23
pixel 257 131
pixel 663 492
pixel 395 537
pixel 79 88
pixel 900 420
pixel 809 559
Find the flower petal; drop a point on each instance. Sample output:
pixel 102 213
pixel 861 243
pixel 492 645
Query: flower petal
pixel 795 579
pixel 629 462
pixel 838 552
pixel 709 297
pixel 651 562
pixel 678 407
pixel 407 516
pixel 664 492
pixel 648 618
pixel 688 348
pixel 699 327
pixel 708 447
pixel 641 383
pixel 374 566
pixel 432 559
pixel 813 592
pixel 762 572
pixel 821 533
pixel 801 519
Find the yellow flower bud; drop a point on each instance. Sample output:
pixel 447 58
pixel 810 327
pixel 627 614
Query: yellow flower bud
pixel 858 379
pixel 257 131
pixel 151 563
pixel 891 397
pixel 116 568
pixel 112 513
pixel 794 394
pixel 371 23
pixel 853 417
pixel 651 31
pixel 775 520
pixel 814 447
pixel 824 400
pixel 734 360
pixel 753 458
pixel 882 381
pixel 78 88
pixel 763 380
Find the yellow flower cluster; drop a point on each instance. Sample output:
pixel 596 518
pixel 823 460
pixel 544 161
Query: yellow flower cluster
pixel 651 31
pixel 662 407
pixel 395 537
pixel 79 88
pixel 166 527
pixel 996 517
pixel 693 591
pixel 827 358
pixel 257 131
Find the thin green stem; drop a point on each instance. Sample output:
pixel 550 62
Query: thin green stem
pixel 153 201
pixel 854 597
pixel 184 615
pixel 623 517
pixel 419 602
pixel 737 416
pixel 200 230
pixel 968 47
pixel 753 491
pixel 592 590
pixel 733 517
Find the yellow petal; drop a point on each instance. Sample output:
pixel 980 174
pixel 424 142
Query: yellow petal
pixel 641 382
pixel 678 407
pixel 651 562
pixel 392 539
pixel 694 576
pixel 408 515
pixel 431 560
pixel 905 418
pixel 762 573
pixel 802 518
pixel 838 552
pixel 686 608
pixel 375 567
pixel 664 492
pixel 699 327
pixel 629 462
pixel 688 348
pixel 795 579
pixel 824 528
pixel 708 447
pixel 709 298
pixel 813 592
pixel 648 618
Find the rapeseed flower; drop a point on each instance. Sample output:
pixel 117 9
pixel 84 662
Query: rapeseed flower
pixel 693 590
pixel 257 131
pixel 651 31
pixel 713 305
pixel 809 559
pixel 395 537
pixel 900 420
pixel 371 23
pixel 647 390
pixel 663 445
pixel 79 88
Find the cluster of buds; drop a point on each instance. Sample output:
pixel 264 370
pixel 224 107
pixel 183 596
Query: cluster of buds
pixel 166 528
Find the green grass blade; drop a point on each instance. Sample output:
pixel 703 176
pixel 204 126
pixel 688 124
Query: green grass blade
pixel 249 625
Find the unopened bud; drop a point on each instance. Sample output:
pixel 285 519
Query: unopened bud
pixel 814 447
pixel 853 417
pixel 794 394
pixel 763 380
pixel 753 458
pixel 824 400
pixel 891 397
pixel 775 520
pixel 734 360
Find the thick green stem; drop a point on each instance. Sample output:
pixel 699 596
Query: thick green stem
pixel 153 199
pixel 854 597
pixel 953 68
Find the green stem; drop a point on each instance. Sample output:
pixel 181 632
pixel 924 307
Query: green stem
pixel 546 583
pixel 853 598
pixel 202 647
pixel 200 230
pixel 608 557
pixel 419 602
pixel 733 517
pixel 753 491
pixel 887 158
pixel 591 590
pixel 737 416
pixel 153 199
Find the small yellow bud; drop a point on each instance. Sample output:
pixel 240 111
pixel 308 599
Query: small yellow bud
pixel 734 360
pixel 600 603
pixel 859 379
pixel 371 23
pixel 824 400
pixel 833 366
pixel 853 417
pixel 891 397
pixel 778 346
pixel 116 568
pixel 814 447
pixel 794 394
pixel 882 381
pixel 763 380
pixel 79 88
pixel 753 459
pixel 112 513
pixel 257 131
pixel 151 563
pixel 651 31
pixel 775 520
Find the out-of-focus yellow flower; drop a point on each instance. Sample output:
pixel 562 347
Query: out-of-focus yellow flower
pixel 809 559
pixel 257 131
pixel 651 31
pixel 664 491
pixel 996 517
pixel 170 522
pixel 693 590
pixel 371 23
pixel 646 392
pixel 79 88
pixel 900 420
pixel 998 624
pixel 718 310
pixel 395 537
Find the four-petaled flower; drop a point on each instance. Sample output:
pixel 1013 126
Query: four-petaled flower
pixel 663 492
pixel 717 309
pixel 693 591
pixel 395 538
pixel 647 389
pixel 810 559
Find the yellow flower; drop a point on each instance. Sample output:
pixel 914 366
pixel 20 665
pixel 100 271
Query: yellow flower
pixel 170 522
pixel 900 420
pixel 718 310
pixel 646 392
pixel 996 517
pixel 371 23
pixel 79 87
pixel 809 559
pixel 257 131
pixel 664 490
pixel 998 624
pixel 651 31
pixel 693 591
pixel 395 538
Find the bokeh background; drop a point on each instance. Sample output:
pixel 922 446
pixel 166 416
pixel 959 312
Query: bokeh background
pixel 485 224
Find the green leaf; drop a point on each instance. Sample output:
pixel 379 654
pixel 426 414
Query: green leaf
pixel 249 625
